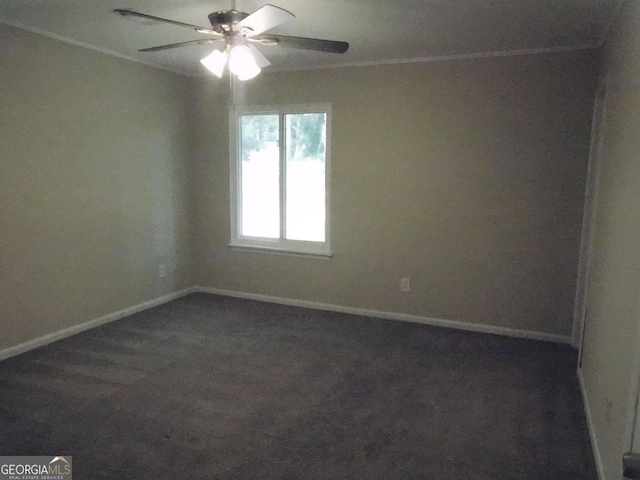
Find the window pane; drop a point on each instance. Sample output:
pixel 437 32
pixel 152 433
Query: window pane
pixel 260 177
pixel 305 171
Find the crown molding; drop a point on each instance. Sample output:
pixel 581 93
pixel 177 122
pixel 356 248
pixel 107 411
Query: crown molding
pixel 62 38
pixel 395 61
pixel 444 58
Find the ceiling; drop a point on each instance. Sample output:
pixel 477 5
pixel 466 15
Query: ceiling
pixel 378 31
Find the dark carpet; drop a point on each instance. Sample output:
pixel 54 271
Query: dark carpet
pixel 208 387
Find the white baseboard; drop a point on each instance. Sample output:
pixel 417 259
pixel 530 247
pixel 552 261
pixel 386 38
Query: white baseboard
pixel 405 317
pixel 592 432
pixel 67 332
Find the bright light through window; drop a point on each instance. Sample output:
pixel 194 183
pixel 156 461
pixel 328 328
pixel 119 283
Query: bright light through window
pixel 282 165
pixel 260 173
pixel 305 176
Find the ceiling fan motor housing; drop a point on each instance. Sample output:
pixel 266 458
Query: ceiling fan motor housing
pixel 223 22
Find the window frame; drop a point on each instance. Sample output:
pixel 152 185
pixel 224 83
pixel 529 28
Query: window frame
pixel 281 244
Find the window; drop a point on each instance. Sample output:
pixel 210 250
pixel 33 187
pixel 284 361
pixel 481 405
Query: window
pixel 279 178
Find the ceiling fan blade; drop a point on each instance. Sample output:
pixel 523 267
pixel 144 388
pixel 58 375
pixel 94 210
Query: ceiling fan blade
pixel 265 18
pixel 260 59
pixel 316 44
pixel 126 13
pixel 181 44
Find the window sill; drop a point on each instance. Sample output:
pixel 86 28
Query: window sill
pixel 278 251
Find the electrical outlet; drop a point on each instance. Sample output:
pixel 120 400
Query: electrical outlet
pixel 405 284
pixel 162 270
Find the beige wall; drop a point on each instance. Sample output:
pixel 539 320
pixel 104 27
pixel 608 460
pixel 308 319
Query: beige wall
pixel 93 156
pixel 467 176
pixel 612 328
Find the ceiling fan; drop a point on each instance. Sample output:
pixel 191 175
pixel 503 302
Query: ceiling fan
pixel 241 32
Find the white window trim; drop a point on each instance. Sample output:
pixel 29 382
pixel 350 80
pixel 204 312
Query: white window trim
pixel 276 245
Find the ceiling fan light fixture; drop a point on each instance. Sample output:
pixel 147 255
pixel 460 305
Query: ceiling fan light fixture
pixel 236 29
pixel 242 63
pixel 249 73
pixel 215 62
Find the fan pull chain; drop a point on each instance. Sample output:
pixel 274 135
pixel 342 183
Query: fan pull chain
pixel 232 89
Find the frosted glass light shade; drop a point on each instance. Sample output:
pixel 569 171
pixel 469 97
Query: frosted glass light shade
pixel 215 62
pixel 242 63
pixel 249 72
